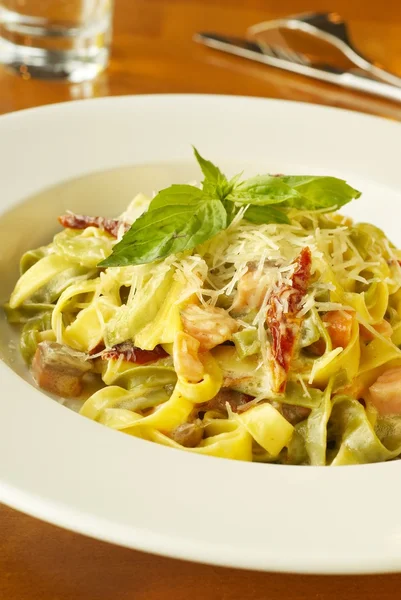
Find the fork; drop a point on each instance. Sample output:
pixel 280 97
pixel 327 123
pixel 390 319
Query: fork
pixel 289 60
pixel 330 28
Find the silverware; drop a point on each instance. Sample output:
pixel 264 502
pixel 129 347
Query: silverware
pixel 287 59
pixel 330 28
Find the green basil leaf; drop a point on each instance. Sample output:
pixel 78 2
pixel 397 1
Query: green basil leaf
pixel 182 216
pixel 167 230
pixel 231 210
pixel 263 190
pixel 177 195
pixel 305 192
pixel 266 214
pixel 213 175
pixel 215 183
pixel 319 192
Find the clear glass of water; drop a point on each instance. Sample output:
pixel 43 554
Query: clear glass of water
pixel 56 39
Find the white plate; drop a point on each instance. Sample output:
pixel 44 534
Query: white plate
pixel 73 472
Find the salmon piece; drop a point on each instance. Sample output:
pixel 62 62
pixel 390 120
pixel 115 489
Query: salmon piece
pixel 59 369
pixel 339 327
pixel 252 287
pixel 385 393
pixel 112 226
pixel 187 363
pixel 282 317
pixel 383 328
pixel 251 291
pixel 357 389
pixel 209 325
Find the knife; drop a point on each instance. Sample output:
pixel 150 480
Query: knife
pixel 359 81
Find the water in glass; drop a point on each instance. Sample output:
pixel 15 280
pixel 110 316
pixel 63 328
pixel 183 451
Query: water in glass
pixel 57 39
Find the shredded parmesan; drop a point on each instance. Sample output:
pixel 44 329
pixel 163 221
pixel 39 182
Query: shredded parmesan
pixel 303 385
pixel 259 262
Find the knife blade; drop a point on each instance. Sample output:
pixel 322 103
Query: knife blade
pixel 250 50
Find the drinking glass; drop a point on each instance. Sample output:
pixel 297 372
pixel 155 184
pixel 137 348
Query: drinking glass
pixel 56 39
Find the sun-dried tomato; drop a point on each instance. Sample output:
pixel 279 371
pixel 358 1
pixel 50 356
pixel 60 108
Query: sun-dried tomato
pixel 133 354
pixel 282 317
pixel 112 226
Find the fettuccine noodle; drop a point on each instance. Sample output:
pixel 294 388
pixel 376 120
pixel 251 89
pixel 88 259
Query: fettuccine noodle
pixel 269 342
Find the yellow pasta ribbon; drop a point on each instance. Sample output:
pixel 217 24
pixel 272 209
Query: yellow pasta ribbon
pixel 206 389
pixel 86 332
pixel 371 306
pixel 267 427
pixel 167 322
pixel 107 397
pixel 337 360
pixel 377 353
pixel 234 443
pixel 67 300
pixel 37 276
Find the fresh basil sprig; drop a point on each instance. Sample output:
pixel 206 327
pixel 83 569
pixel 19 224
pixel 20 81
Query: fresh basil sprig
pixel 305 192
pixel 215 182
pixel 178 219
pixel 182 216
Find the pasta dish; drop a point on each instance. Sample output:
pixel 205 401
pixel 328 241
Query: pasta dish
pixel 244 319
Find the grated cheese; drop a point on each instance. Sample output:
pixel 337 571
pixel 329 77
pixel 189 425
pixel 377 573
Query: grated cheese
pixel 213 271
pixel 303 385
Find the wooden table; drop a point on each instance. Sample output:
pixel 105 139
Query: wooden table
pixel 153 52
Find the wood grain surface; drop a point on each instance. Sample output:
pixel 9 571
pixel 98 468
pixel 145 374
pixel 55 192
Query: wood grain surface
pixel 152 53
